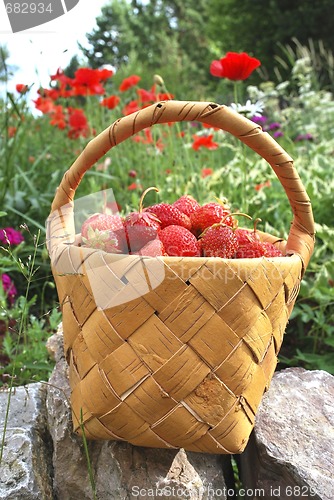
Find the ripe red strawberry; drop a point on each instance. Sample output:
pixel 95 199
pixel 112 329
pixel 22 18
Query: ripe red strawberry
pixel 169 215
pixel 141 227
pixel 209 214
pixel 252 250
pixel 153 248
pixel 179 241
pixel 186 204
pixel 105 232
pixel 249 244
pixel 244 236
pixel 270 250
pixel 219 240
pixel 255 248
pixel 103 222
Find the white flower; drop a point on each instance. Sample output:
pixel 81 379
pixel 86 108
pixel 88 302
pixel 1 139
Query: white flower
pixel 249 109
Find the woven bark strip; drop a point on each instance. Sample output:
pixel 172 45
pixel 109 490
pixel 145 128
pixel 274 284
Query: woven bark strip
pixel 177 351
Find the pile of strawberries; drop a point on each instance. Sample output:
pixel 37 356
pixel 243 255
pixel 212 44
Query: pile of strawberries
pixel 183 228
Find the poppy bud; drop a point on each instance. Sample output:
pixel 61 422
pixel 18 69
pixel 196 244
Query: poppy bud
pixel 158 80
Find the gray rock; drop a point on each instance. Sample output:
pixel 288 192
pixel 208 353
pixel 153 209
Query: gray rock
pixel 290 454
pixel 26 468
pixel 119 470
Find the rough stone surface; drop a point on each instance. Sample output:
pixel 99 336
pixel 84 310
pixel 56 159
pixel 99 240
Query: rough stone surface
pixel 290 454
pixel 26 469
pixel 120 471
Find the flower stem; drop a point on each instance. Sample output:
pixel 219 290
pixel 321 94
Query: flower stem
pixel 235 92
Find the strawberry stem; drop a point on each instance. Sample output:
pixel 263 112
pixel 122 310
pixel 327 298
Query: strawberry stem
pixel 235 225
pixel 222 222
pixel 237 213
pixel 143 196
pixel 256 223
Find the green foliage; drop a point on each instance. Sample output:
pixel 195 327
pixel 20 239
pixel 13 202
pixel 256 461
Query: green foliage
pixel 22 333
pixel 257 27
pixel 6 70
pixel 320 61
pixel 156 32
pixel 3 56
pixel 28 359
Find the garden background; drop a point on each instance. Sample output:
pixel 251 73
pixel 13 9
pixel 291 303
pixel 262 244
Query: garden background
pixel 140 53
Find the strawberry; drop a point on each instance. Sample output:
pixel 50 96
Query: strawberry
pixel 244 236
pixel 102 222
pixel 186 204
pixel 209 214
pixel 249 244
pixel 141 227
pixel 179 241
pixel 153 248
pixel 219 240
pixel 270 250
pixel 105 232
pixel 251 250
pixel 169 215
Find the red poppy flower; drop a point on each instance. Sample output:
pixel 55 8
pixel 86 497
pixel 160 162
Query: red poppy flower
pixel 58 118
pixel 78 123
pixel 234 66
pixel 165 97
pixel 44 104
pixel 204 141
pixel 53 94
pixel 134 186
pixel 258 187
pixel 206 125
pixel 131 107
pixel 129 82
pixel 21 88
pixel 110 102
pixel 105 74
pixel 147 96
pixel 86 76
pixel 61 77
pixel 206 172
pixel 145 137
pixel 88 82
pixel 12 131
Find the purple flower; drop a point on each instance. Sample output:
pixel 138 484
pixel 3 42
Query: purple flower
pixel 9 234
pixel 274 126
pixel 304 137
pixel 9 288
pixel 259 119
pixel 279 133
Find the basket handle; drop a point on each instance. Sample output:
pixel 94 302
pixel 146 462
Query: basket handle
pixel 301 236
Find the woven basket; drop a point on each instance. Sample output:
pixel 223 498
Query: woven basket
pixel 185 363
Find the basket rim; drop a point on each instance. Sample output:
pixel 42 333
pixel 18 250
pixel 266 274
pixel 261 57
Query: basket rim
pixel 118 256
